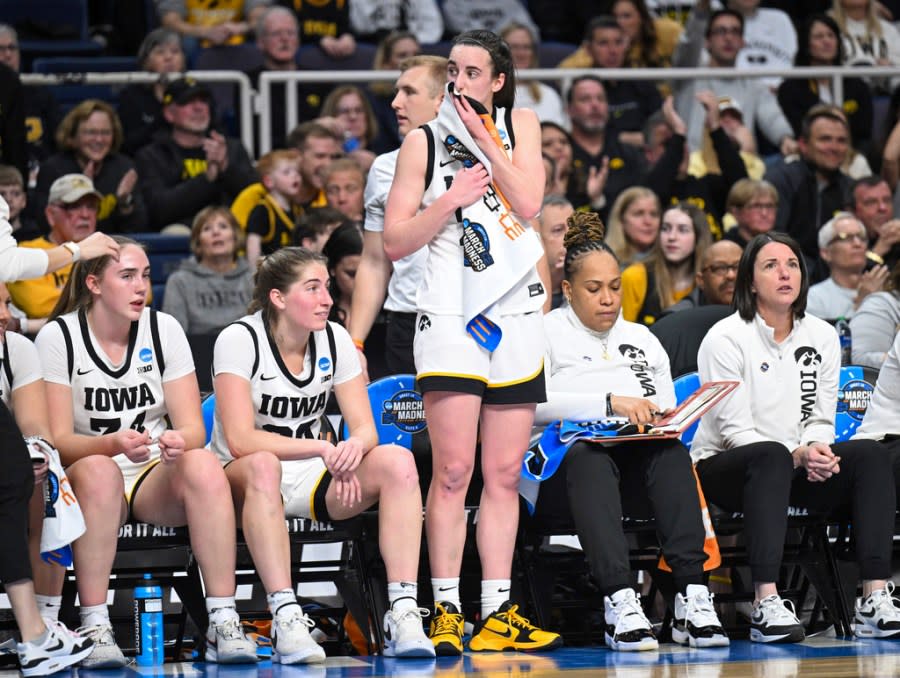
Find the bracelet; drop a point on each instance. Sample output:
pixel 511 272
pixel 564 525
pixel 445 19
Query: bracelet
pixel 609 409
pixel 360 345
pixel 127 201
pixel 23 325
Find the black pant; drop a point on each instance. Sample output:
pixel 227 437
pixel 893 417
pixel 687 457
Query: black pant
pixel 16 486
pixel 892 444
pixel 595 483
pixel 760 480
pixel 398 343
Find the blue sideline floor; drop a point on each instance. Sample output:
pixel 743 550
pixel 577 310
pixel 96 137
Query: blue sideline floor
pixel 820 656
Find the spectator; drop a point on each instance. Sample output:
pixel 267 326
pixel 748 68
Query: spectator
pixel 820 45
pixel 381 282
pixel 489 15
pixel 872 203
pixel 812 189
pixel 868 39
pixel 278 39
pixel 344 185
pixel 552 224
pixel 842 244
pixel 392 50
pixel 669 272
pixel 683 326
pixel 770 39
pixel 71 211
pixel 38 106
pixel 753 204
pixel 669 177
pixel 651 40
pixel 316 226
pixel 630 102
pixel 374 20
pixel 533 94
pixel 633 224
pixel 319 145
pixel 140 106
pixel 723 31
pixel 342 251
pixel 89 138
pixel 325 23
pixel 706 159
pixel 191 166
pixel 556 144
pixel 12 189
pixel 203 25
pixel 271 221
pixel 349 105
pixel 602 166
pixel 214 288
pixel 564 20
pixel 875 323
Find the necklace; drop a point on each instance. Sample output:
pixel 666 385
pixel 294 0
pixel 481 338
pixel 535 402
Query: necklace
pixel 602 337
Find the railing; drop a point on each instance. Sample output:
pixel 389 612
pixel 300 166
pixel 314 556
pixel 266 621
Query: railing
pixel 256 104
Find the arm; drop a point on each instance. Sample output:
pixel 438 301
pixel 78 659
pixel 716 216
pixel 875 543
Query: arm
pixel 690 44
pixel 357 412
pixel 182 396
pixel 890 161
pixel 168 197
pixel 406 228
pixel 873 328
pixel 424 20
pixel 770 117
pixel 240 172
pixel 29 404
pixel 370 289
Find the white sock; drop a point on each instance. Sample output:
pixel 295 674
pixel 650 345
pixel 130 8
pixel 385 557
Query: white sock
pixel 94 615
pixel 446 590
pixel 220 609
pixel 278 598
pixel 494 592
pixel 49 606
pixel 403 595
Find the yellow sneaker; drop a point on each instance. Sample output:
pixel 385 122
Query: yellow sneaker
pixel 505 629
pixel 446 630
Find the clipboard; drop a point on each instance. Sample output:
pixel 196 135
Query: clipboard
pixel 618 429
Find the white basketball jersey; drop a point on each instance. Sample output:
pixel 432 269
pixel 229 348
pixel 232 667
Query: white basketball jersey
pixel 19 364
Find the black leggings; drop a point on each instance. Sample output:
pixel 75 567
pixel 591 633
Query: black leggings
pixel 595 483
pixel 759 479
pixel 16 486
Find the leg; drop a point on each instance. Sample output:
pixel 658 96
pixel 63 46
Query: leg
pixel 188 491
pixel 256 487
pixel 48 577
pixel 452 424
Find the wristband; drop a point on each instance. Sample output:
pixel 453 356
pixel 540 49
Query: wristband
pixel 360 344
pixel 609 409
pixel 74 249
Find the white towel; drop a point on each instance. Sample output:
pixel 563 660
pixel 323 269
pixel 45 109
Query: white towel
pixel 499 250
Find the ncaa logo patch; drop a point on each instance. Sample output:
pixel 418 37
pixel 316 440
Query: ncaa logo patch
pixel 324 364
pixel 476 246
pixel 146 355
pixel 405 410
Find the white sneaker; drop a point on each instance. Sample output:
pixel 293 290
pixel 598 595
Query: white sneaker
pixel 227 644
pixel 627 627
pixel 291 642
pixel 696 622
pixel 774 621
pixel 404 635
pixel 61 650
pixel 878 614
pixel 105 654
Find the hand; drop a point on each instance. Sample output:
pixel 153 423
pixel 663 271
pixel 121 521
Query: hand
pixel 672 118
pixel 347 489
pixel 888 236
pixel 97 245
pixel 788 146
pixel 471 120
pixel 638 410
pixel 596 179
pixel 126 185
pixel 171 446
pixel 872 280
pixel 218 34
pixel 469 185
pixel 90 169
pixel 133 444
pixel 818 460
pixel 711 103
pixel 343 457
pixel 40 470
pixel 216 152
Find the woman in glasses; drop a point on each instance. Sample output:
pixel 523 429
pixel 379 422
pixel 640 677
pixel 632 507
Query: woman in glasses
pixel 753 204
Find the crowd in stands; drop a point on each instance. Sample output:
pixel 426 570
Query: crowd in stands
pixel 689 179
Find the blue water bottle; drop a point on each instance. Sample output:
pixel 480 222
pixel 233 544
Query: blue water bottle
pixel 846 338
pixel 148 622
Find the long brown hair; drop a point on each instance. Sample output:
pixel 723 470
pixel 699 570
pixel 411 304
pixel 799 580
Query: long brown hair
pixel 656 262
pixel 76 295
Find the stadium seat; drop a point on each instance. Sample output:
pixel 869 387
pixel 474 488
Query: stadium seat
pixel 166 252
pixel 551 53
pixel 245 58
pixel 312 58
pixel 50 26
pixel 684 386
pixel 398 410
pixel 74 91
pixel 854 391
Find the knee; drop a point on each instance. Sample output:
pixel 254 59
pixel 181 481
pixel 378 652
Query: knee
pixel 773 459
pixel 452 477
pixel 396 465
pixel 96 479
pixel 263 473
pixel 199 469
pixel 503 476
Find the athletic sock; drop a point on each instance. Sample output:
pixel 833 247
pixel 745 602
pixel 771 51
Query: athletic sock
pixel 494 592
pixel 403 595
pixel 446 590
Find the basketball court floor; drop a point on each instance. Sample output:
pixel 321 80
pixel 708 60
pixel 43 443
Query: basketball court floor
pixel 821 656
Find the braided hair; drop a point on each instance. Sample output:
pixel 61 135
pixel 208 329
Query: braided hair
pixel 585 235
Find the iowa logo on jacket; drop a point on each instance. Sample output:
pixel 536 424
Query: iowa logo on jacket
pixel 476 246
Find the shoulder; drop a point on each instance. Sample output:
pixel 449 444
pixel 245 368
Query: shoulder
pixel 635 273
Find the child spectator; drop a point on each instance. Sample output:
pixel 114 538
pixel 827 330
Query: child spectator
pixel 12 188
pixel 316 226
pixel 271 222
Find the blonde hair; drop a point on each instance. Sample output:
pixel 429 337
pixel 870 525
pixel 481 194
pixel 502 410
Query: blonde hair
pixel 873 25
pixel 615 233
pixel 68 128
pixel 206 215
pixel 533 87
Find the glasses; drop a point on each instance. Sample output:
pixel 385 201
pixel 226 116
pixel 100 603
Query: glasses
pixel 91 206
pixel 721 269
pixel 104 133
pixel 841 237
pixel 722 31
pixel 761 206
pixel 12 47
pixel 351 110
